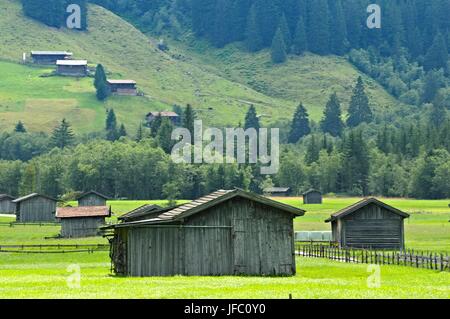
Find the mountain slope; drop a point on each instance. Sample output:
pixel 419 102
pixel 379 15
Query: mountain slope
pixel 219 83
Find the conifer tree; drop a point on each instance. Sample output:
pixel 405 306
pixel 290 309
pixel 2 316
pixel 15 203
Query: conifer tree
pixel 278 51
pixel 111 126
pixel 338 31
pixel 100 83
pixel 164 136
pixel 251 119
pixel 332 121
pixel 312 151
pixel 155 125
pixel 62 135
pixel 286 32
pixel 359 110
pixel 318 29
pixel 253 33
pixel 189 118
pixel 300 125
pixel 20 128
pixel 122 131
pixel 139 133
pixel 437 56
pixel 300 42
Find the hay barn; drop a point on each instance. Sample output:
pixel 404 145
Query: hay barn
pixel 82 221
pixel 141 213
pixel 78 68
pixel 122 87
pixel 277 191
pixel 229 232
pixel 6 204
pixel 92 198
pixel 172 116
pixel 35 208
pixel 49 57
pixel 369 223
pixel 312 197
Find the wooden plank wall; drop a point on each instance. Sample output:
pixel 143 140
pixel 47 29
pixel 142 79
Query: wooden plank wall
pixel 36 209
pixel 92 200
pixel 7 206
pixel 81 227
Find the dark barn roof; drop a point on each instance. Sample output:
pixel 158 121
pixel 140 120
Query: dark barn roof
pixel 51 53
pixel 83 211
pixel 352 208
pixel 90 193
pixel 141 211
pixel 6 196
pixel 203 203
pixel 312 191
pixel 277 189
pixel 33 195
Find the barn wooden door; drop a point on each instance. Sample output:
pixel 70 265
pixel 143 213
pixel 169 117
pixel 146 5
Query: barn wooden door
pixel 239 251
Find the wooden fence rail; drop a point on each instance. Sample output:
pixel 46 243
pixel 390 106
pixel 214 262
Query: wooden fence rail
pixel 53 249
pixel 411 258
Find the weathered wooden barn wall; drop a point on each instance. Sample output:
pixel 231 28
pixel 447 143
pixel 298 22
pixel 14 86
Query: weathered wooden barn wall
pixel 235 237
pixel 7 206
pixel 36 209
pixel 81 227
pixel 92 200
pixel 371 226
pixel 312 197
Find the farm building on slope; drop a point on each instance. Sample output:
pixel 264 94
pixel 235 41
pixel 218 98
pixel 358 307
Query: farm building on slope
pixel 49 57
pixel 224 233
pixel 312 197
pixel 369 223
pixel 172 116
pixel 78 68
pixel 277 191
pixel 122 87
pixel 6 204
pixel 35 208
pixel 141 213
pixel 92 198
pixel 82 221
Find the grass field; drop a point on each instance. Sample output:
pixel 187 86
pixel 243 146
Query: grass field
pixel 46 275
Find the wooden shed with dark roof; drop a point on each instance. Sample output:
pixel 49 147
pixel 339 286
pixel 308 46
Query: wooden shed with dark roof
pixel 142 213
pixel 7 206
pixel 49 57
pixel 277 191
pixel 35 208
pixel 369 223
pixel 229 232
pixel 312 196
pixel 82 221
pixel 92 198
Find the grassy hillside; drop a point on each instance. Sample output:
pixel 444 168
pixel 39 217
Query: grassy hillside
pixel 219 83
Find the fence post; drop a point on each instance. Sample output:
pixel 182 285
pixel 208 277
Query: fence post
pixel 442 262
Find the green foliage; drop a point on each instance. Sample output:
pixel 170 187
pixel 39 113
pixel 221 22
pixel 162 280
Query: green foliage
pixel 100 83
pixel 20 128
pixel 300 44
pixel 278 51
pixel 332 122
pixel 359 110
pixel 253 35
pixel 300 125
pixel 252 119
pixel 437 55
pixel 63 135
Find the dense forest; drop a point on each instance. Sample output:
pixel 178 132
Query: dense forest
pixel 362 153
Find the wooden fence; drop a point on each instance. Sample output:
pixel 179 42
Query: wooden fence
pixel 411 258
pixel 52 249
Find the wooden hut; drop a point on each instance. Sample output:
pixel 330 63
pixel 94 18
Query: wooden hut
pixel 35 208
pixel 122 87
pixel 224 233
pixel 172 116
pixel 49 57
pixel 78 68
pixel 82 221
pixel 141 213
pixel 6 204
pixel 312 197
pixel 92 198
pixel 277 191
pixel 369 223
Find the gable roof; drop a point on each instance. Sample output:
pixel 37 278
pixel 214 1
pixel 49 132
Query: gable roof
pixel 312 191
pixel 276 189
pixel 27 197
pixel 92 192
pixel 358 205
pixel 121 81
pixel 163 114
pixel 51 53
pixel 83 211
pixel 205 202
pixel 72 62
pixel 140 211
pixel 6 196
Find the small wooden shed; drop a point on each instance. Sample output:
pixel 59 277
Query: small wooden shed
pixel 82 221
pixel 229 232
pixel 369 223
pixel 312 196
pixel 277 191
pixel 172 116
pixel 122 87
pixel 78 68
pixel 49 57
pixel 6 204
pixel 35 208
pixel 92 198
pixel 142 213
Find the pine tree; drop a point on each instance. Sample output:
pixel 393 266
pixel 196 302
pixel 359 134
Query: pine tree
pixel 338 32
pixel 300 42
pixel 312 151
pixel 359 110
pixel 101 84
pixel 438 115
pixel 431 87
pixel 253 33
pixel 300 125
pixel 287 37
pixel 164 136
pixel 20 128
pixel 122 131
pixel 62 135
pixel 332 121
pixel 318 27
pixel 111 126
pixel 155 125
pixel 437 56
pixel 139 133
pixel 189 119
pixel 251 119
pixel 278 51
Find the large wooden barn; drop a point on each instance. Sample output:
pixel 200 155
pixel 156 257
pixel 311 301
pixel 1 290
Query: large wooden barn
pixel 49 57
pixel 6 204
pixel 78 68
pixel 82 221
pixel 92 198
pixel 35 208
pixel 312 196
pixel 224 233
pixel 122 87
pixel 369 223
